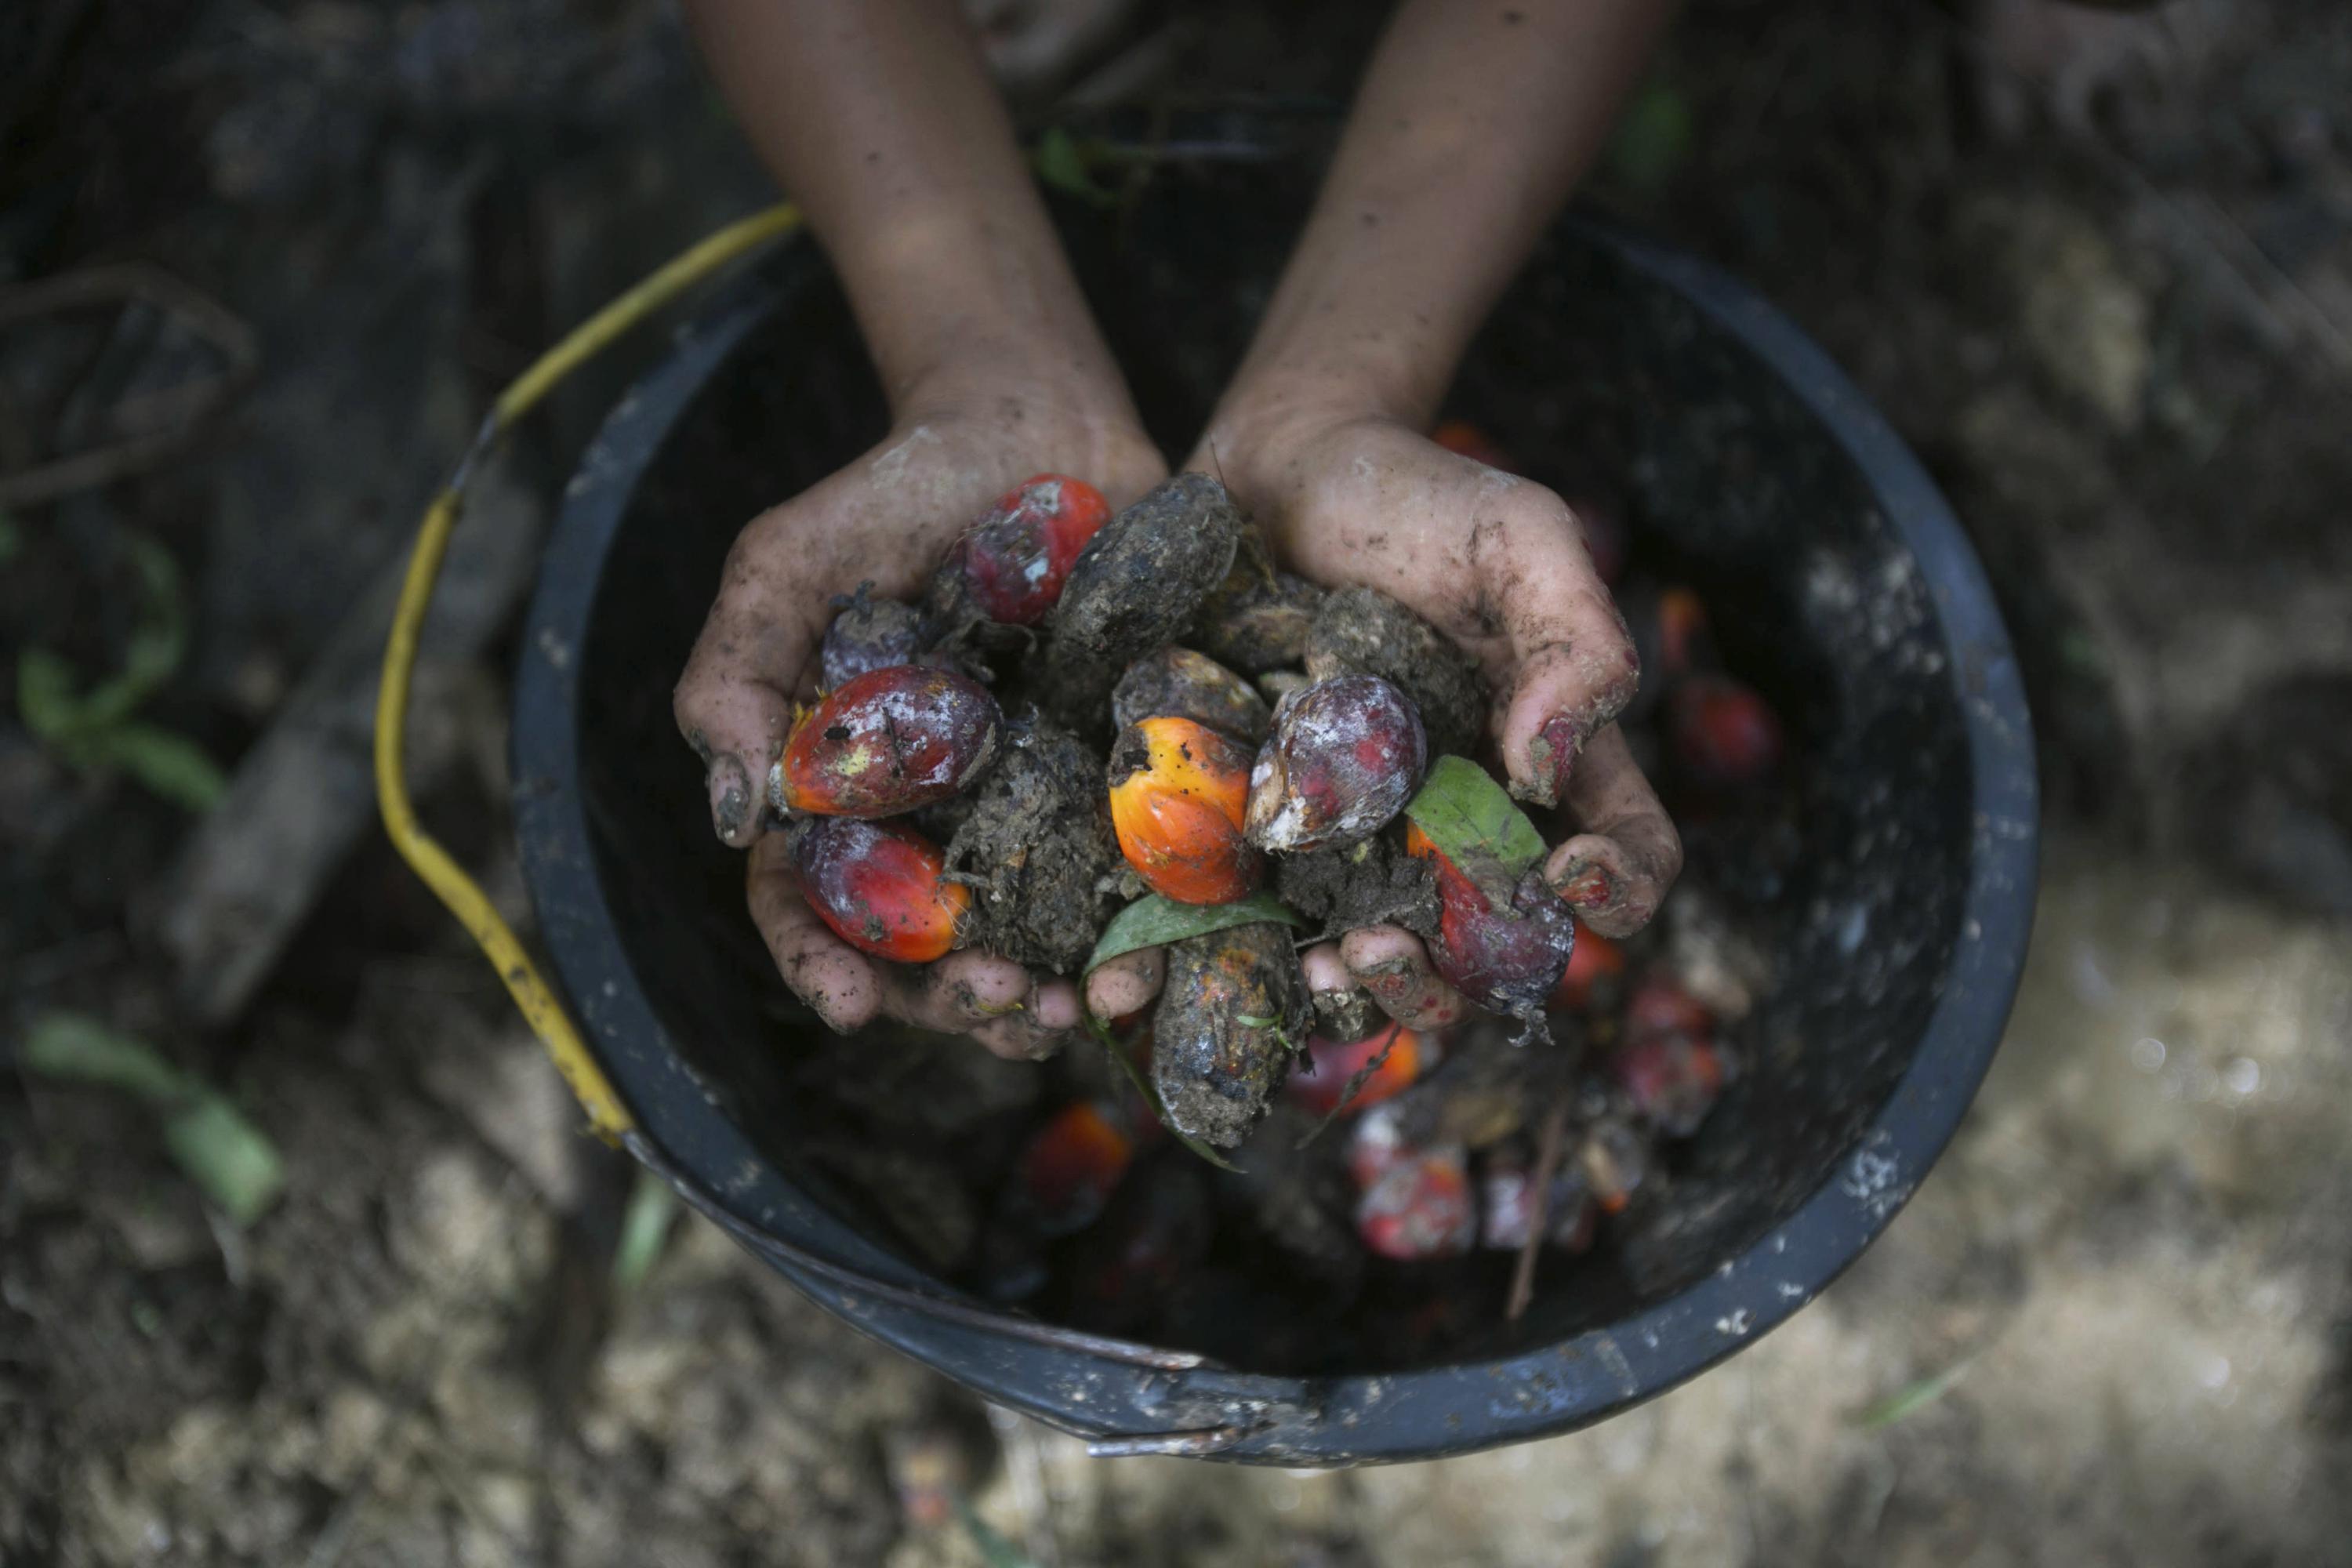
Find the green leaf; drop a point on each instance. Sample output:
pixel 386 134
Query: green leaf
pixel 231 1159
pixel 229 1156
pixel 645 1225
pixel 75 1048
pixel 12 539
pixel 1652 139
pixel 1911 1398
pixel 168 765
pixel 1143 1086
pixel 1154 922
pixel 1064 166
pixel 1466 814
pixel 45 697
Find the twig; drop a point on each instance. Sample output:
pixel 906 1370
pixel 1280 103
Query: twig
pixel 1548 1152
pixel 191 404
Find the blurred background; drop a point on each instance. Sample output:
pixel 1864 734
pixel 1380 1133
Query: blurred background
pixel 302 1259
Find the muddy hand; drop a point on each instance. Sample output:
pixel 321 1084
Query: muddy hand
pixel 886 518
pixel 994 1002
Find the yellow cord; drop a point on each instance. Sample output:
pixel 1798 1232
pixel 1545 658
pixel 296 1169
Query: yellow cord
pixel 424 855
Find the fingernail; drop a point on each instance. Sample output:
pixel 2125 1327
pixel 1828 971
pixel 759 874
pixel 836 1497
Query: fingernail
pixel 1563 738
pixel 731 798
pixel 1587 885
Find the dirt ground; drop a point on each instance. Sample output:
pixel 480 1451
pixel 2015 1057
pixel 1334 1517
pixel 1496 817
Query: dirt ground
pixel 2101 278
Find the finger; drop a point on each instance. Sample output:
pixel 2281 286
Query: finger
pixel 1127 984
pixel 1325 971
pixel 734 701
pixel 1390 963
pixel 841 984
pixel 1619 869
pixel 1574 666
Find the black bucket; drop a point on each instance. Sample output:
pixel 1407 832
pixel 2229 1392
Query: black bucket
pixel 1837 576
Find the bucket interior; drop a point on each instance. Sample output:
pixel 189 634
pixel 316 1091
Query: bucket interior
pixel 1590 370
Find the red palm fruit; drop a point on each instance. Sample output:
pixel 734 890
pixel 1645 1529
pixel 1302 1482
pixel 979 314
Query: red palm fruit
pixel 1659 1006
pixel 1421 1208
pixel 877 885
pixel 1334 1063
pixel 1723 735
pixel 886 742
pixel 1343 757
pixel 1178 793
pixel 1376 1146
pixel 1067 1172
pixel 1506 960
pixel 1594 965
pixel 1507 1209
pixel 1673 1078
pixel 1015 560
pixel 1465 439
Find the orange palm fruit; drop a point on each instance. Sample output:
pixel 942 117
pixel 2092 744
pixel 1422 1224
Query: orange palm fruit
pixel 1067 1171
pixel 1335 1062
pixel 877 885
pixel 1179 791
pixel 1594 965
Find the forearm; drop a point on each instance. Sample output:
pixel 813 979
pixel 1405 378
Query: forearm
pixel 1472 127
pixel 877 117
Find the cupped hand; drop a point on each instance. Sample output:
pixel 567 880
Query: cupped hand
pixel 1498 563
pixel 887 519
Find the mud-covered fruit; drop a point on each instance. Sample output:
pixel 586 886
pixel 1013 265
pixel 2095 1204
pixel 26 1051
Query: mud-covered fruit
pixel 1421 1208
pixel 1342 758
pixel 1673 1078
pixel 1320 1084
pixel 1722 734
pixel 1069 1170
pixel 877 885
pixel 1232 1011
pixel 1593 970
pixel 1506 959
pixel 1012 562
pixel 1178 791
pixel 867 633
pixel 1177 683
pixel 886 742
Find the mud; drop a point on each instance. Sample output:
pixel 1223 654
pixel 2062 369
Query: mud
pixel 1176 682
pixel 1135 587
pixel 1363 631
pixel 1371 883
pixel 1037 852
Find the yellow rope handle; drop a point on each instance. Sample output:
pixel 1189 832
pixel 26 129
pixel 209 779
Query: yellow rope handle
pixel 424 855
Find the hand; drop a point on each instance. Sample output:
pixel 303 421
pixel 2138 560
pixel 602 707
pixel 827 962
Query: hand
pixel 1498 563
pixel 959 441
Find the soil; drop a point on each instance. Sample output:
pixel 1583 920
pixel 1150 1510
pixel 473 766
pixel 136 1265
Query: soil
pixel 1363 631
pixel 1135 588
pixel 1038 851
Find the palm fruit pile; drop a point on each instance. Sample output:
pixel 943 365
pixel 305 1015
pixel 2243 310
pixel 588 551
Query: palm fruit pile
pixel 1098 732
